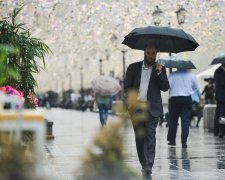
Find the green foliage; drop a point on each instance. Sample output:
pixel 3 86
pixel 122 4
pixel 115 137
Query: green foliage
pixel 5 69
pixel 105 158
pixel 15 162
pixel 25 61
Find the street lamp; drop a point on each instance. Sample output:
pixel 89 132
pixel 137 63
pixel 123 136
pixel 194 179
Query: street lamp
pixel 81 84
pixel 157 16
pixel 70 89
pixel 100 67
pixel 101 61
pixel 181 13
pixel 124 63
pixel 123 51
pixel 111 73
pixel 70 81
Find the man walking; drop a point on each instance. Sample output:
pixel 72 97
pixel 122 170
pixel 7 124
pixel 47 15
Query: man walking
pixel 219 77
pixel 148 78
pixel 182 86
pixel 103 104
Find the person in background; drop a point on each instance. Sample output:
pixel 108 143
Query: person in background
pixel 148 79
pixel 47 101
pixel 103 104
pixel 196 109
pixel 209 91
pixel 88 102
pixel 182 85
pixel 219 77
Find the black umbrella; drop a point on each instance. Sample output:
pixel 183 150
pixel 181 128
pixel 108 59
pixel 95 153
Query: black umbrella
pixel 165 38
pixel 174 62
pixel 209 79
pixel 218 60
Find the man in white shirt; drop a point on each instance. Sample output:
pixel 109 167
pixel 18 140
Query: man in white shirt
pixel 182 86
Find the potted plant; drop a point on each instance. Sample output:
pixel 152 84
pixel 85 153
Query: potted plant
pixel 25 62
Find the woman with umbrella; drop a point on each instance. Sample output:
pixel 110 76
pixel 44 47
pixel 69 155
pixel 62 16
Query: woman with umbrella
pixel 105 87
pixel 209 91
pixel 103 104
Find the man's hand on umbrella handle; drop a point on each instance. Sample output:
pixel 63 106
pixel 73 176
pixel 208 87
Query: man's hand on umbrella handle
pixel 158 68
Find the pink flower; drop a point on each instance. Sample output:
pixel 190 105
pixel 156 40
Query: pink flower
pixel 33 99
pixel 3 89
pixel 11 91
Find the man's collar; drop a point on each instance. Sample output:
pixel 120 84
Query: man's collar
pixel 144 67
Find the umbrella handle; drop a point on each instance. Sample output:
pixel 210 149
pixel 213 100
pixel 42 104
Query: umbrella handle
pixel 158 54
pixel 159 68
pixel 160 62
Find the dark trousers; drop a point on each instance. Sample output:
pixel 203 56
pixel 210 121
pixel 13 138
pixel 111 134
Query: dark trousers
pixel 103 113
pixel 220 112
pixel 179 106
pixel 145 137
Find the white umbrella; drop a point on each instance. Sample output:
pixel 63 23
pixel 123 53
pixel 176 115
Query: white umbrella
pixel 206 74
pixel 106 85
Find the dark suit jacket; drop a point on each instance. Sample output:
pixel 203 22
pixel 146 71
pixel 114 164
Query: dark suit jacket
pixel 219 78
pixel 156 83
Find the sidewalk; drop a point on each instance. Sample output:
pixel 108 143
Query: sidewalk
pixel 74 130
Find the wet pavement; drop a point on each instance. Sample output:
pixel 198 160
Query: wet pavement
pixel 73 130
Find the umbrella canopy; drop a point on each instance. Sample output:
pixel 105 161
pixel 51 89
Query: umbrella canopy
pixel 218 60
pixel 210 78
pixel 106 85
pixel 166 39
pixel 174 62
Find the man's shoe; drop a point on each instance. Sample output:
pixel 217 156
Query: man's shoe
pixel 147 178
pixel 172 143
pixel 184 145
pixel 146 174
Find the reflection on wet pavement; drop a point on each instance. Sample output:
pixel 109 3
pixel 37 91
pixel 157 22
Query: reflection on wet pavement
pixel 73 130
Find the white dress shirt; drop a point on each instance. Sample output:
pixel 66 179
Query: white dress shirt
pixel 182 83
pixel 145 78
